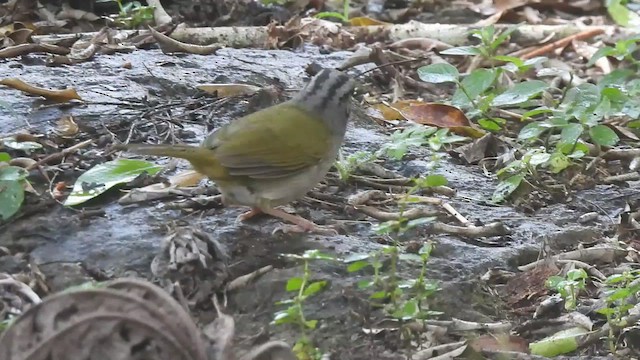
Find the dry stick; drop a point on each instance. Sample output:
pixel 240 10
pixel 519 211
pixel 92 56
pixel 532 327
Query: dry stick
pixel 59 155
pixel 242 281
pixel 489 230
pixel 439 349
pixel 632 176
pixel 463 325
pixel 621 154
pixel 562 43
pixel 457 215
pixel 411 214
pixel 590 255
pixel 23 288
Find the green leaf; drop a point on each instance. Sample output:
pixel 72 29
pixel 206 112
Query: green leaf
pixel 520 93
pixel 311 324
pixel 103 177
pixel 620 294
pixel 408 311
pixel 506 187
pixel 363 284
pixel 516 61
pixel 294 284
pixel 562 342
pixel 410 257
pixel 22 145
pixel 462 50
pixel 581 100
pixel 315 254
pixel 606 311
pixel 314 287
pixel 615 78
pixel 438 73
pixel 13 173
pixel 435 180
pixel 615 279
pixel 619 13
pixel 379 295
pixel 531 131
pixel 538 111
pixel 614 94
pixel 356 257
pixel 576 274
pixel 489 124
pixel 5 157
pixel 357 266
pixel 571 133
pixel 603 135
pixel 600 53
pixel 554 282
pixel 11 198
pixel 539 159
pixel 474 84
pixel 558 162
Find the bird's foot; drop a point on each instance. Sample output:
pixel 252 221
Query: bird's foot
pixel 300 224
pixel 248 214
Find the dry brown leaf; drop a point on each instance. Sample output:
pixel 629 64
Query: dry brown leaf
pixel 625 131
pixel 20 36
pixel 500 342
pixel 54 95
pixel 169 45
pixel 66 127
pixel 24 49
pixel 227 90
pixel 432 114
pixel 69 13
pixel 365 21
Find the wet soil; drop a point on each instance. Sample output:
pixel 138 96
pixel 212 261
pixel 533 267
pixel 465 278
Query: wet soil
pixel 71 246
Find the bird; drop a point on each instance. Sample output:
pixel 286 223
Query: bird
pixel 273 156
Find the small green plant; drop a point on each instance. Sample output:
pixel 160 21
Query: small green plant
pixel 347 166
pixel 401 299
pixel 133 14
pixel 344 16
pixel 560 126
pixel 302 288
pixel 490 41
pixel 569 286
pixel 403 224
pixel 620 292
pixel 416 136
pixel 12 184
pixel 623 50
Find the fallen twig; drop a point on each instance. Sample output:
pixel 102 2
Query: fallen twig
pixel 61 154
pixel 563 42
pixel 244 280
pixel 590 255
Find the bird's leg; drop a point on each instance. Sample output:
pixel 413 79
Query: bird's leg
pixel 300 224
pixel 249 214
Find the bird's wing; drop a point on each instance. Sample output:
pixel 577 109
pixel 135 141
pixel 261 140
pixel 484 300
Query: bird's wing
pixel 276 142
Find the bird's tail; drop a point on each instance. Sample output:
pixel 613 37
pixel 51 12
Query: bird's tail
pixel 202 159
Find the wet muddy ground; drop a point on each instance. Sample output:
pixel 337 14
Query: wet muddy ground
pixel 111 240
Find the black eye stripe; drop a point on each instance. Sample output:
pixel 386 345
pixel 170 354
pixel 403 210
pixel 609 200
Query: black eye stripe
pixel 340 82
pixel 320 79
